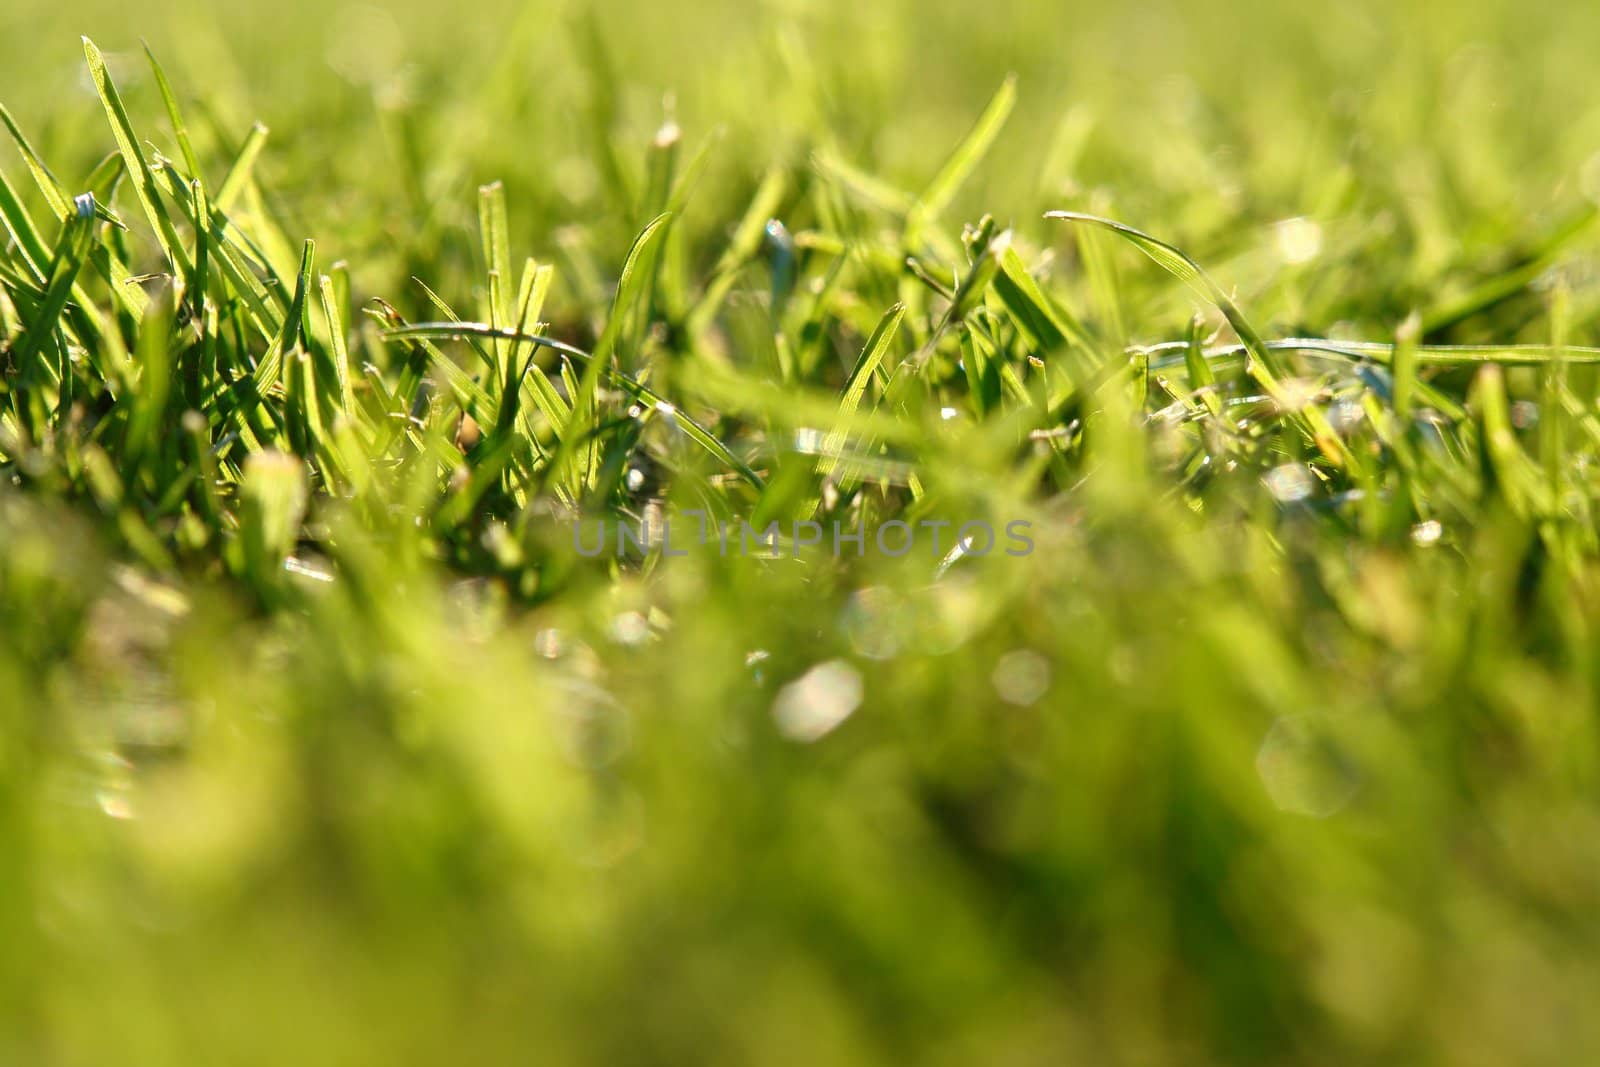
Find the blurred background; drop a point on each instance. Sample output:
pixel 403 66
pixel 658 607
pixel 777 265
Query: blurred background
pixel 1164 792
pixel 1430 129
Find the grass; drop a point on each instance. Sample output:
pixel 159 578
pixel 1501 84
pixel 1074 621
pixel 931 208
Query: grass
pixel 322 741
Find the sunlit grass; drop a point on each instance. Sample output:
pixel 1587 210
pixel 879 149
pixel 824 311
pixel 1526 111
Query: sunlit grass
pixel 324 739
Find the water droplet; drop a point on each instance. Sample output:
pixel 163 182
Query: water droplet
pixel 808 440
pixel 815 704
pixel 1289 483
pixel 1427 534
pixel 630 628
pixel 114 794
pixel 1299 240
pixel 1345 415
pixel 1021 677
pixel 576 657
pixel 115 802
pixel 592 729
pixel 1304 770
pixel 301 569
pixel 876 622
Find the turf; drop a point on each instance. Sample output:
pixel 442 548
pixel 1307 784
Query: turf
pixel 1261 338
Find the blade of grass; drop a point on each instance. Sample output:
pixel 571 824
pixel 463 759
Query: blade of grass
pixel 174 115
pixel 1262 363
pixel 296 325
pixel 35 256
pixel 144 182
pixel 1047 326
pixel 239 172
pixel 743 246
pixel 340 351
pixel 55 194
pixel 965 159
pixel 71 249
pixel 638 391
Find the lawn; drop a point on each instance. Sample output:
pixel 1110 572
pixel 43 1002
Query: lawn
pixel 800 533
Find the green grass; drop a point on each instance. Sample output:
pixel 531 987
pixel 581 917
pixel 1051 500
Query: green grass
pixel 322 742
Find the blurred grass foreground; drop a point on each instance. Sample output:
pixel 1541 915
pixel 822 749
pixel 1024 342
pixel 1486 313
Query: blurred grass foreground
pixel 325 328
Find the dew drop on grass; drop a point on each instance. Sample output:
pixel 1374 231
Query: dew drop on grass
pixel 1304 771
pixel 815 704
pixel 653 525
pixel 574 657
pixel 1345 415
pixel 302 569
pixel 549 643
pixel 1021 677
pixel 876 622
pixel 115 793
pixel 1427 534
pixel 592 729
pixel 630 628
pixel 115 803
pixel 1299 240
pixel 808 440
pixel 1289 484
